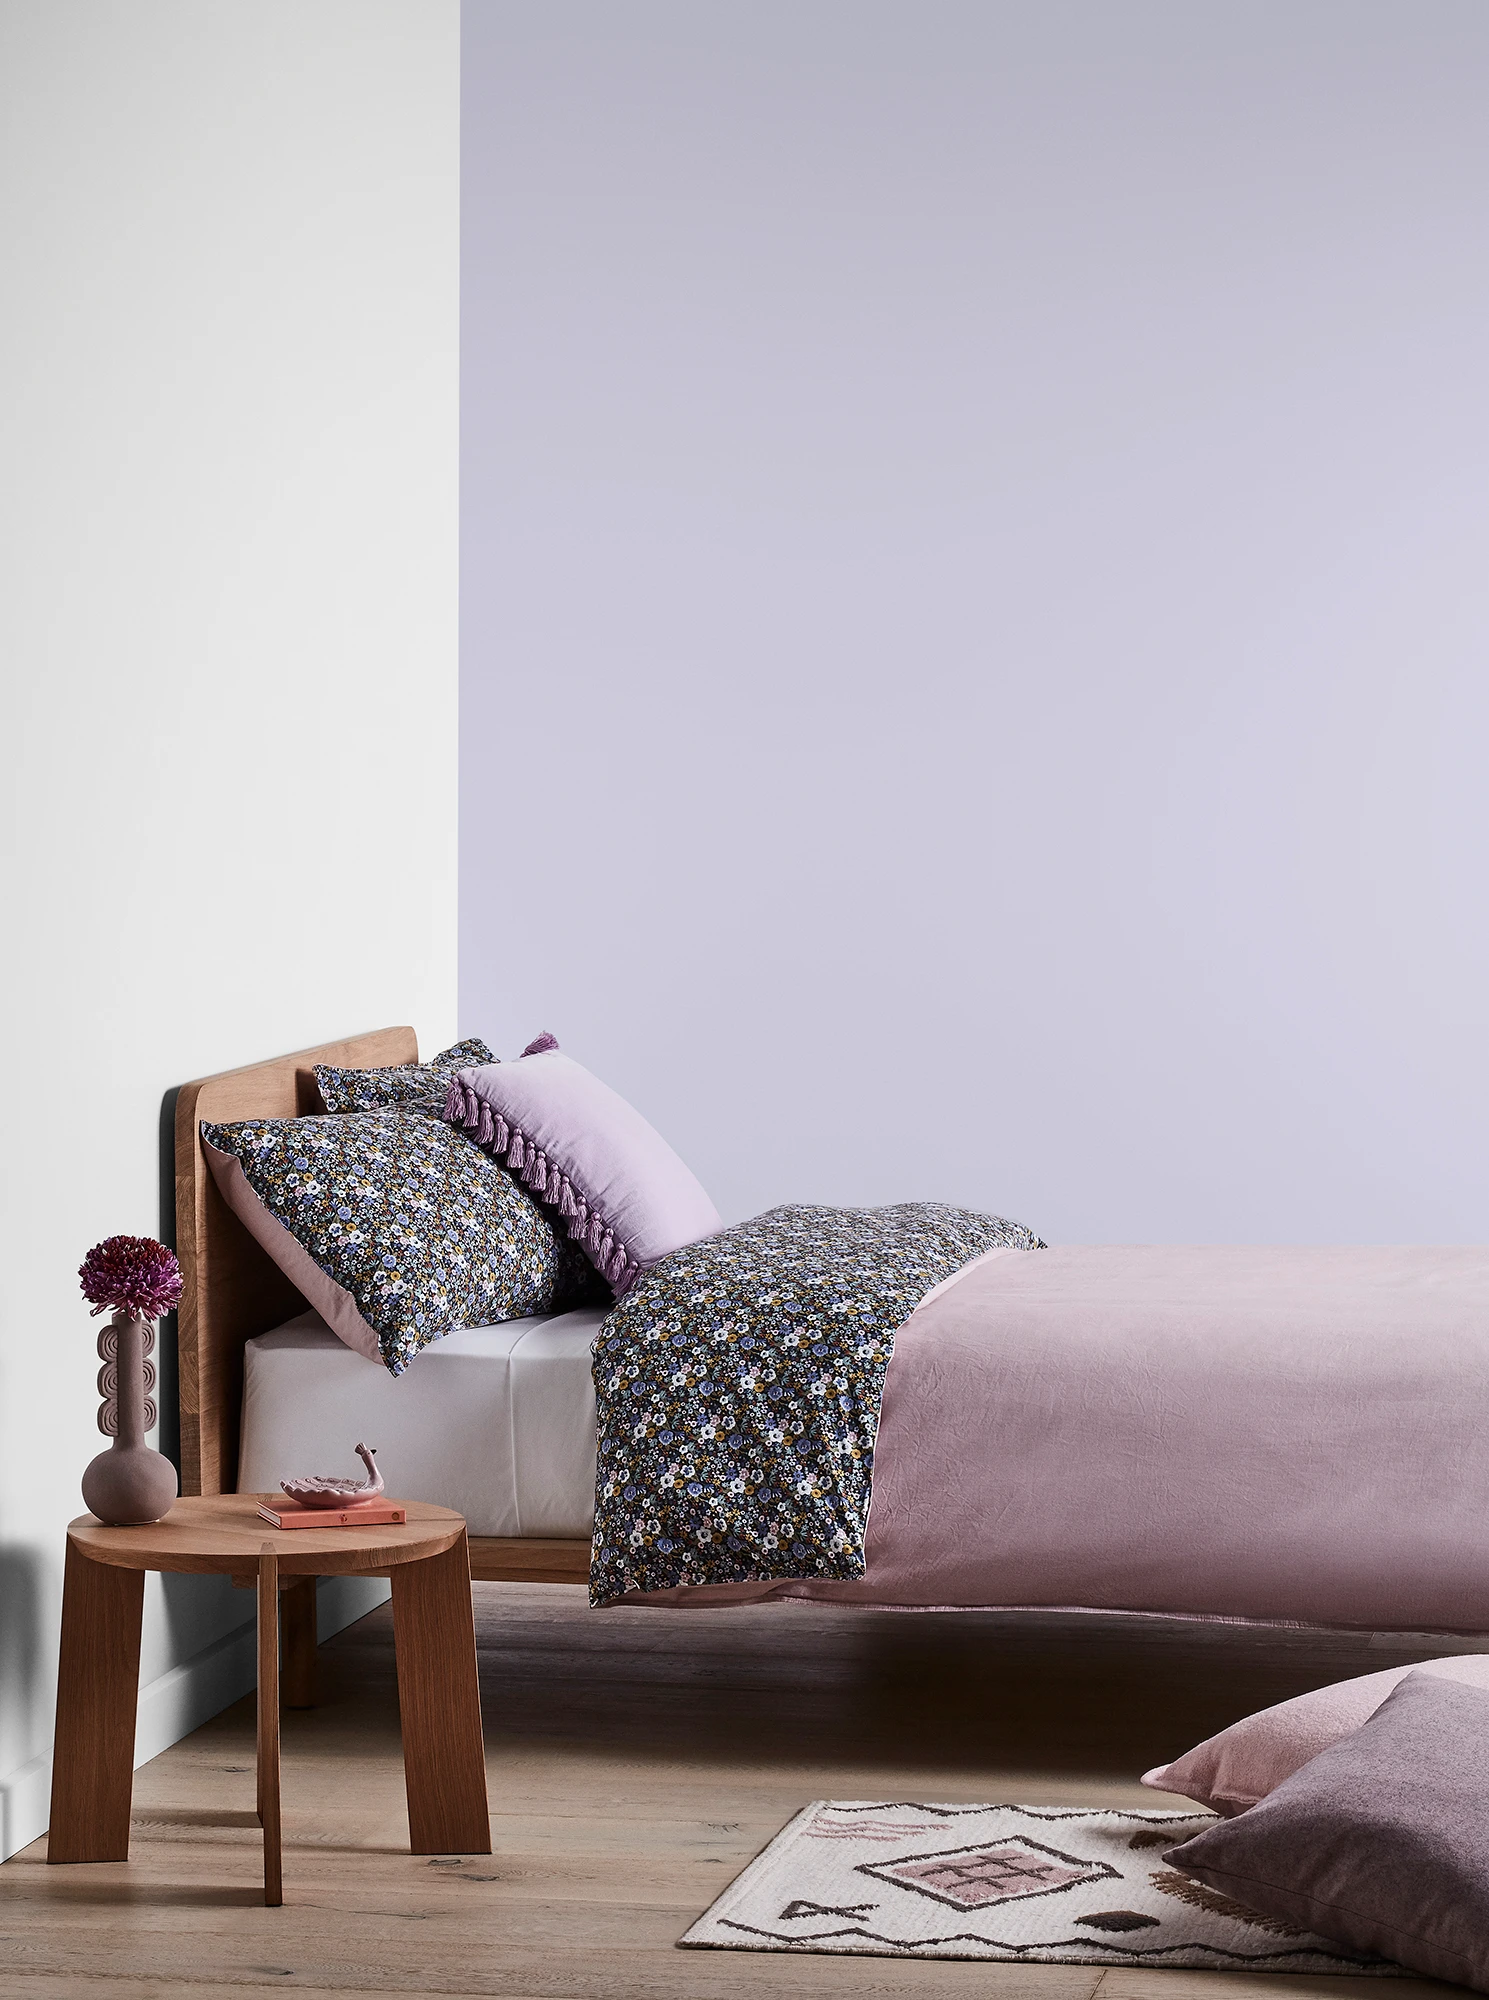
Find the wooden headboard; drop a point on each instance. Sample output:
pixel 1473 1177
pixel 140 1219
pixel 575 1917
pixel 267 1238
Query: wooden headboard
pixel 232 1291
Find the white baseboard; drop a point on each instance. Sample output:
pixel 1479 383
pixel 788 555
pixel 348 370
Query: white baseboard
pixel 181 1700
pixel 25 1797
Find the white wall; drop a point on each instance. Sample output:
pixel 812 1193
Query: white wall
pixel 975 610
pixel 228 343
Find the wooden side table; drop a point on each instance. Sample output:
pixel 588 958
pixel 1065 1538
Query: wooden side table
pixel 434 1634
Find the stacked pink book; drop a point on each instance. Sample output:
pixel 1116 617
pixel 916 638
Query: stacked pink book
pixel 372 1514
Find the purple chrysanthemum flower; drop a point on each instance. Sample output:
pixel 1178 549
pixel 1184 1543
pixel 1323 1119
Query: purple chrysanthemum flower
pixel 132 1274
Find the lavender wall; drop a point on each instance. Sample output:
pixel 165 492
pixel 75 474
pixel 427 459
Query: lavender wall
pixel 975 603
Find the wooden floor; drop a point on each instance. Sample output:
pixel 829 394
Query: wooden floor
pixel 637 1760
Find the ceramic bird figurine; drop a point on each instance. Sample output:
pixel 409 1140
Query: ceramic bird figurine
pixel 322 1490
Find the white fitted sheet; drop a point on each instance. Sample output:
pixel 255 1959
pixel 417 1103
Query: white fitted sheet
pixel 495 1421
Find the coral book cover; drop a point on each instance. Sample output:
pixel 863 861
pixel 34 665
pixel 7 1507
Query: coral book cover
pixel 381 1515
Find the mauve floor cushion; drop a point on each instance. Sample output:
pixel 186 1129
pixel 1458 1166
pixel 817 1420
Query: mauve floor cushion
pixel 1381 1842
pixel 1231 1771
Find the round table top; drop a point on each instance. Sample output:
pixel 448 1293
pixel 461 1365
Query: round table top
pixel 224 1534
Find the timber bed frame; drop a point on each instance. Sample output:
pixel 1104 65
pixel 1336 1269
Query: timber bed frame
pixel 232 1291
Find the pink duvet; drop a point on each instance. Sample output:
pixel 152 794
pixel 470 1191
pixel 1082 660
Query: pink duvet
pixel 1295 1434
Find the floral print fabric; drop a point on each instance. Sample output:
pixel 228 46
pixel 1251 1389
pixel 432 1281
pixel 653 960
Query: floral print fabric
pixel 738 1386
pixel 412 1086
pixel 404 1213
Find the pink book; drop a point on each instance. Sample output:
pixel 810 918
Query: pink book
pixel 376 1514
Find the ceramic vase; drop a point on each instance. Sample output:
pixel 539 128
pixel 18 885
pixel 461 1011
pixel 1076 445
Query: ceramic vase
pixel 129 1483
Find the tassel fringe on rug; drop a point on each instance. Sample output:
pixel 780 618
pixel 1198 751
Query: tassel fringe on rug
pixel 1032 1885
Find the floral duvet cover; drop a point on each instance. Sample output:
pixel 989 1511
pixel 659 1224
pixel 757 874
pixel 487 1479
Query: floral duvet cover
pixel 738 1387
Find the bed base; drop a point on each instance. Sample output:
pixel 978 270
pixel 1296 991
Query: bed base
pixel 516 1559
pixel 232 1291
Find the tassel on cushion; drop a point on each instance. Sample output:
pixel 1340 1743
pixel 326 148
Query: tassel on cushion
pixel 673 1208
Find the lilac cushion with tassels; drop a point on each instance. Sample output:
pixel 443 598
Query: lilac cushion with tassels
pixel 623 1193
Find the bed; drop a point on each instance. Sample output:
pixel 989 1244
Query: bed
pixel 1295 1435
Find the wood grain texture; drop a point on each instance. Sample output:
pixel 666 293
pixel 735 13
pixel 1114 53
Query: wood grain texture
pixel 637 1760
pixel 97 1689
pixel 231 1289
pixel 439 1703
pixel 268 1725
pixel 528 1559
pixel 221 1534
pixel 298 1642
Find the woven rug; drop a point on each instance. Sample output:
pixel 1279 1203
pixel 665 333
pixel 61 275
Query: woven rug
pixel 1033 1885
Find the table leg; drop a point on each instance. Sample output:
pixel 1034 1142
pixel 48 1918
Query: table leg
pixel 439 1701
pixel 297 1621
pixel 97 1691
pixel 268 1724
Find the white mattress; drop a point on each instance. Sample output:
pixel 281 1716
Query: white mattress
pixel 495 1421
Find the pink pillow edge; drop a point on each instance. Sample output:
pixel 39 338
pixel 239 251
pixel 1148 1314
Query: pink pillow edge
pixel 333 1302
pixel 1311 1707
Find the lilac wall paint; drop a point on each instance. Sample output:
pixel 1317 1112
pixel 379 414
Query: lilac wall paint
pixel 975 602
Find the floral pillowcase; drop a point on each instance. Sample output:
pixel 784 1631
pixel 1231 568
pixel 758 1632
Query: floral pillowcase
pixel 411 1086
pixel 394 1226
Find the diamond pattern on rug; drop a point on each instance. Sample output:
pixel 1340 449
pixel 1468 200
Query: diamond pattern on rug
pixel 974 1878
pixel 1032 1885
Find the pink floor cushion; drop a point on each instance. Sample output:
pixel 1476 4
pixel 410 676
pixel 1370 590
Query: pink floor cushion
pixel 620 1190
pixel 1231 1771
pixel 1380 1843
